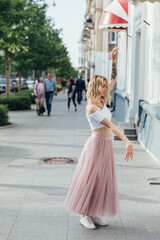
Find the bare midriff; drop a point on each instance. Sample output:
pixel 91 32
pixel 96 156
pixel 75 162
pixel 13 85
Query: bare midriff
pixel 102 132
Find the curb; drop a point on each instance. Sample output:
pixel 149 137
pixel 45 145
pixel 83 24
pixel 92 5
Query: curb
pixel 9 126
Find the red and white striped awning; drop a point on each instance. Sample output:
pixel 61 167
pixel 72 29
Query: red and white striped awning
pixel 115 16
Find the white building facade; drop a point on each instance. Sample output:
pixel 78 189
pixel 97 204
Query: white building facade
pixel 137 94
pixel 81 59
pixel 138 87
pixel 98 43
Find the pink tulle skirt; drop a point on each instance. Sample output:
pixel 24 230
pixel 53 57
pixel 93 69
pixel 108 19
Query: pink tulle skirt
pixel 93 190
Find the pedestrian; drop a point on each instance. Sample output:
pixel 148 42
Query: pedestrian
pixel 80 86
pixel 93 192
pixel 64 84
pixel 39 92
pixel 51 90
pixel 72 93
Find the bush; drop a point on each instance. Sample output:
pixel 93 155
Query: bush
pixel 3 115
pixel 17 102
pixel 59 87
pixel 27 93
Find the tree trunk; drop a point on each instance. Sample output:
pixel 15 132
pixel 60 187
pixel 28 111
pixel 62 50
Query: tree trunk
pixel 7 76
pixel 19 85
pixel 34 76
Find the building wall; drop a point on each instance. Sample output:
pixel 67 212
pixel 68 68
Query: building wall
pixel 138 67
pixel 139 77
pixel 106 65
pixel 97 46
pixel 155 54
pixel 122 62
pixel 149 128
pixel 81 60
pixel 142 80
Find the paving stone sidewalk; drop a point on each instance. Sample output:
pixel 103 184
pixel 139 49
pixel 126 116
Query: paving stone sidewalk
pixel 32 194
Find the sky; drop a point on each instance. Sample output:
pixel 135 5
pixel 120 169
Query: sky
pixel 68 15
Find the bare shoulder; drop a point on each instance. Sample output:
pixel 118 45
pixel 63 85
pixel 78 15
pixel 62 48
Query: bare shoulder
pixel 90 108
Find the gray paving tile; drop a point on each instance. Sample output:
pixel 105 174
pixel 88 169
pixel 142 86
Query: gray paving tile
pixel 6 224
pixel 39 229
pixel 114 228
pixel 3 236
pixel 96 236
pixel 52 181
pixel 9 210
pixel 12 194
pixel 24 162
pixel 55 208
pixel 142 228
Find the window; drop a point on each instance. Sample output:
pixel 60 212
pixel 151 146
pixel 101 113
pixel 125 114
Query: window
pixel 112 38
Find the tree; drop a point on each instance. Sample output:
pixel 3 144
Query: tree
pixel 10 37
pixel 29 57
pixel 31 40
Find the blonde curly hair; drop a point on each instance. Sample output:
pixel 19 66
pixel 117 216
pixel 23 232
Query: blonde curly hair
pixel 94 89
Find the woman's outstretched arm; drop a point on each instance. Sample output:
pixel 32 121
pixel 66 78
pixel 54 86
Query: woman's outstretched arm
pixel 113 78
pixel 115 129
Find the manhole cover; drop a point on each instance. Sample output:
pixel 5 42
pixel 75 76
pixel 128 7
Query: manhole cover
pixel 57 160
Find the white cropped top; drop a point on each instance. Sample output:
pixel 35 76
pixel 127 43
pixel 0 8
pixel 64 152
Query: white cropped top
pixel 95 118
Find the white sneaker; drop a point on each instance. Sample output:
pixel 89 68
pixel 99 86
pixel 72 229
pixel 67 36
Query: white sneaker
pixel 100 221
pixel 87 222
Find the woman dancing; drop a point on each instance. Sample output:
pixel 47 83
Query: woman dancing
pixel 93 192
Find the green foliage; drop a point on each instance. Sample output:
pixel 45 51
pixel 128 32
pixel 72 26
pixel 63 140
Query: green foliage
pixel 27 93
pixel 30 39
pixel 34 24
pixel 3 115
pixel 59 87
pixel 16 102
pixel 81 73
pixel 11 32
pixel 2 65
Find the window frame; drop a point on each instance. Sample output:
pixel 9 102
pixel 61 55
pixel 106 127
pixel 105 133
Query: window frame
pixel 110 38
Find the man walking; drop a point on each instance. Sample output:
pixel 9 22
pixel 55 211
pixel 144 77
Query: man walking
pixel 50 86
pixel 80 86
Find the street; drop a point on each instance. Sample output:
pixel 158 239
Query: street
pixel 32 194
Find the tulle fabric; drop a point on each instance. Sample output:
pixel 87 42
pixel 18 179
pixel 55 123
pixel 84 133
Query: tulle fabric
pixel 93 190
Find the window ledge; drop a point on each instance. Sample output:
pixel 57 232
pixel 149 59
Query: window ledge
pixel 152 109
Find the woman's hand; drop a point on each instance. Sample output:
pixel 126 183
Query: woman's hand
pixel 129 151
pixel 114 54
pixel 120 134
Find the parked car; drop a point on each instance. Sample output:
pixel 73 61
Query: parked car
pixel 3 84
pixel 15 84
pixel 2 88
pixel 30 84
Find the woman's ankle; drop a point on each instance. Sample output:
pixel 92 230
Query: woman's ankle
pixel 84 215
